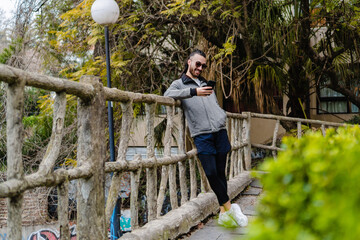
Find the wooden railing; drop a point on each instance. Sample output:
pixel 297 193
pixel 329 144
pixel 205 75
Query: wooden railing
pixel 92 207
pixel 92 210
pixel 299 122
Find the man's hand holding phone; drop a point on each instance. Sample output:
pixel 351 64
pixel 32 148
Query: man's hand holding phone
pixel 207 90
pixel 204 91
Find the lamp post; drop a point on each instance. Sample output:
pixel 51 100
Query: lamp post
pixel 106 12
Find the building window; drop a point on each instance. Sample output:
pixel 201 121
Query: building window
pixel 331 101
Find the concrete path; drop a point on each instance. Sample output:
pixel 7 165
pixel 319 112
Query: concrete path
pixel 210 230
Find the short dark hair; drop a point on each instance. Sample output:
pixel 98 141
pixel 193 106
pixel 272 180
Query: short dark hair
pixel 196 51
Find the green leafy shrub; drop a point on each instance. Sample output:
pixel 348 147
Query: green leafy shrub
pixel 39 128
pixel 312 191
pixel 8 52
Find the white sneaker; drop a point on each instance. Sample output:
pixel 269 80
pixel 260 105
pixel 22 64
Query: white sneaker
pixel 226 221
pixel 236 213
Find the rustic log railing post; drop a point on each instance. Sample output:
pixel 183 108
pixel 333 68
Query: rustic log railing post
pixel 299 130
pixel 232 153
pixel 241 150
pixel 239 142
pixel 54 146
pixel 276 130
pixel 126 122
pixel 63 210
pixel 182 168
pixel 247 140
pixel 323 130
pixel 193 183
pixel 162 190
pixel 91 152
pixel 14 139
pixel 167 153
pixel 228 123
pixel 151 176
pixel 192 168
pixel 172 167
pixel 236 141
pixel 134 204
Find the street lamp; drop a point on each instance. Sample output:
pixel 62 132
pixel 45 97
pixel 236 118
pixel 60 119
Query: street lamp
pixel 106 12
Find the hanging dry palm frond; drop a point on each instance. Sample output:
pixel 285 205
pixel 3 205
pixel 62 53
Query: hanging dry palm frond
pixel 264 80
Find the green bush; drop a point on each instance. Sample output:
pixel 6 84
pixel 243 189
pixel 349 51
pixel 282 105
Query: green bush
pixel 312 190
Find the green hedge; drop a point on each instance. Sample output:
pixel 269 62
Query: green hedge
pixel 312 191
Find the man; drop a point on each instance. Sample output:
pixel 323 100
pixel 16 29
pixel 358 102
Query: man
pixel 207 125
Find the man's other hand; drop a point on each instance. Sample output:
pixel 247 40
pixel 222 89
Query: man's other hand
pixel 204 91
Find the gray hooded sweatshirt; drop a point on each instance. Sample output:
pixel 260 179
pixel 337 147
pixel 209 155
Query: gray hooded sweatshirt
pixel 203 114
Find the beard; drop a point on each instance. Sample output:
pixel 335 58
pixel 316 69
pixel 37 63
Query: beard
pixel 195 72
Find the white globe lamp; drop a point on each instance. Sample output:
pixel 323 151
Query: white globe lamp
pixel 105 12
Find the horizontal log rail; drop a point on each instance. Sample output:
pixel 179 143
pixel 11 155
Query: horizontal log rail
pixel 11 75
pixel 263 146
pixel 11 188
pixel 85 91
pixel 116 95
pixel 236 115
pixel 302 120
pixel 147 163
pixel 238 146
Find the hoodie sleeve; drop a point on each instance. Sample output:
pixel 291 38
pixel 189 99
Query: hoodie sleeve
pixel 177 92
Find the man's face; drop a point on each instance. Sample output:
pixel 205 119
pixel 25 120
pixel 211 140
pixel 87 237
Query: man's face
pixel 197 64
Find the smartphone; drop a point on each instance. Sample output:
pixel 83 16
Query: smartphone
pixel 211 84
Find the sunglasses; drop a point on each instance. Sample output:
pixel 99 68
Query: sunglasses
pixel 199 64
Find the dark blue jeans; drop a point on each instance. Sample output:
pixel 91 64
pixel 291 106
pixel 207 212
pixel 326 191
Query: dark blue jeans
pixel 212 152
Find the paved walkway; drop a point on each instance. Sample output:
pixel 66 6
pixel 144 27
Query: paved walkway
pixel 210 230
